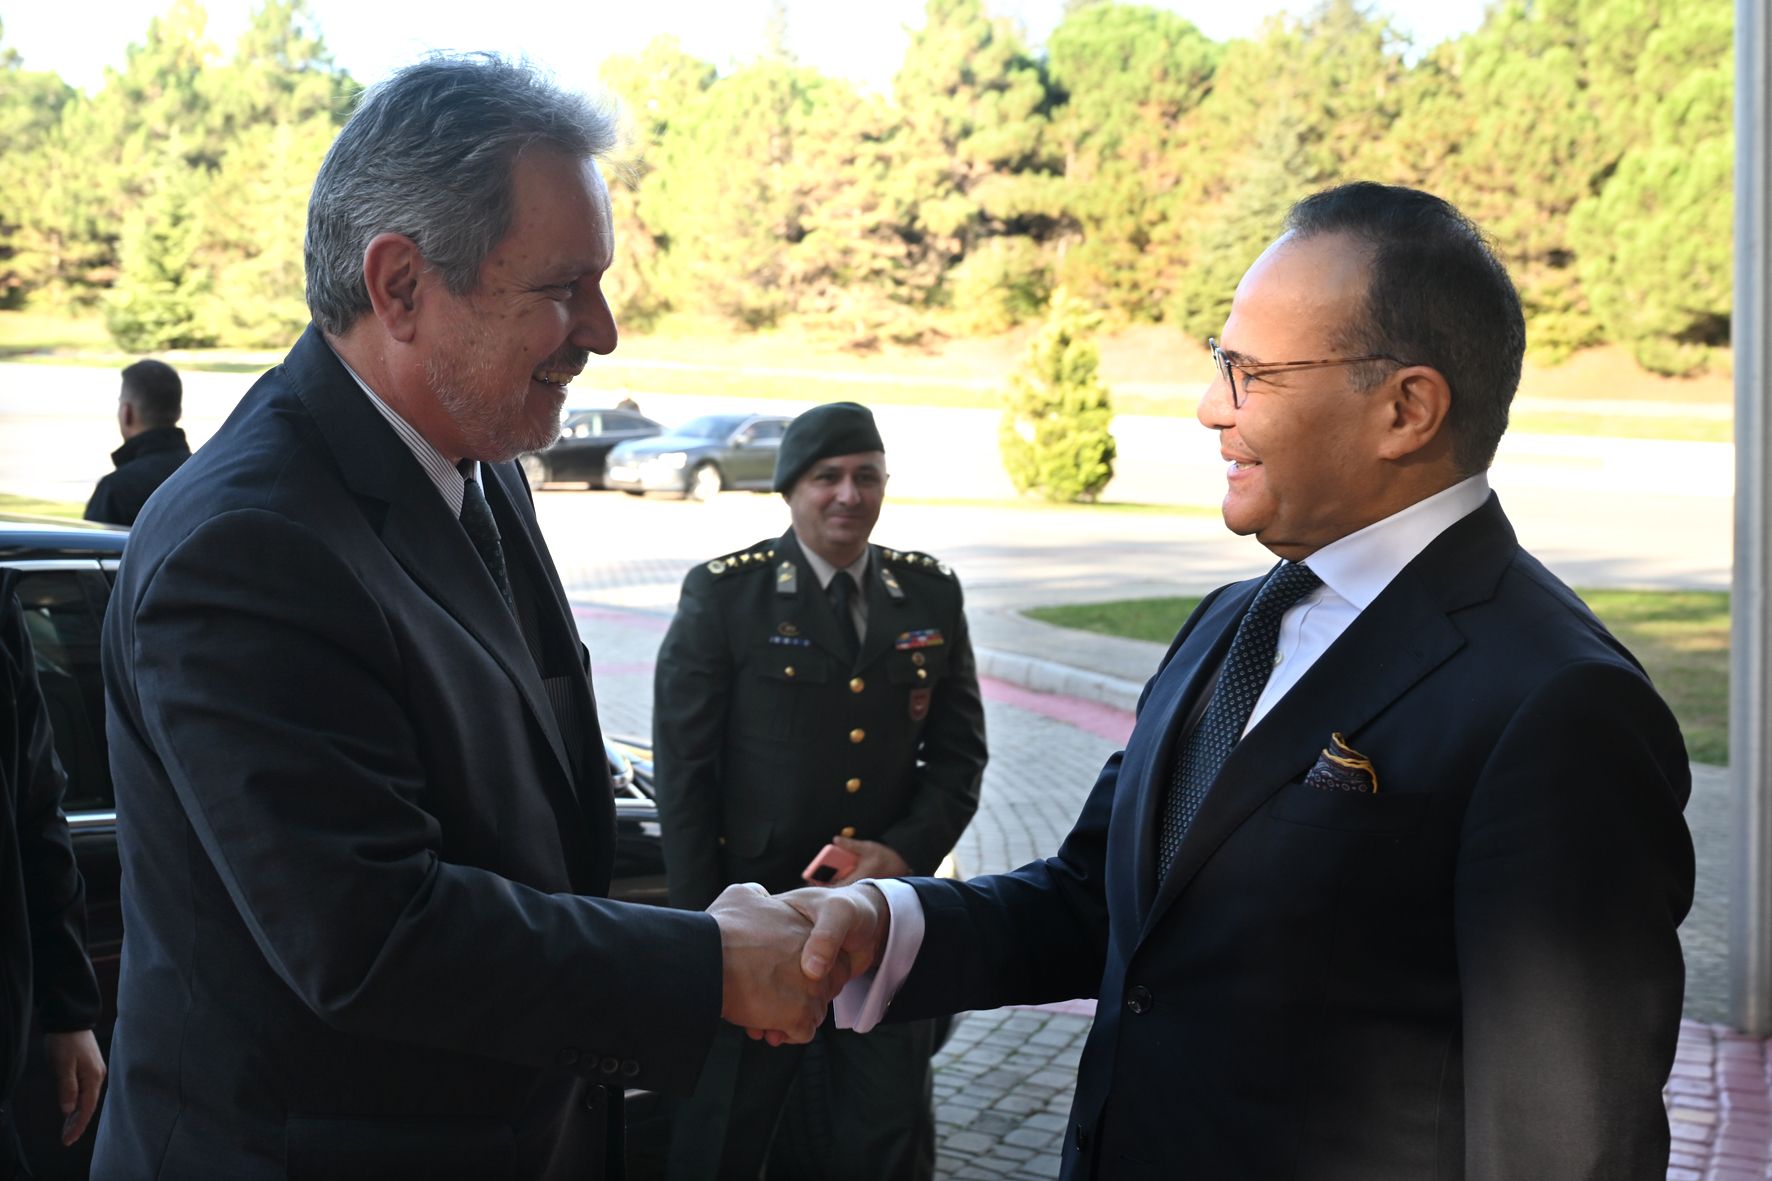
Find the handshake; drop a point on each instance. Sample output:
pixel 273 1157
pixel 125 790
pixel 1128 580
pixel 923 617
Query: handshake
pixel 786 957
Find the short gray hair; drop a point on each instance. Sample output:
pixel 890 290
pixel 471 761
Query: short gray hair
pixel 428 154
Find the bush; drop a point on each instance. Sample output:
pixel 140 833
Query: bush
pixel 1055 435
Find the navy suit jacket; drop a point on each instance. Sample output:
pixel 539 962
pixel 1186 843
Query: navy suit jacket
pixel 1472 973
pixel 365 823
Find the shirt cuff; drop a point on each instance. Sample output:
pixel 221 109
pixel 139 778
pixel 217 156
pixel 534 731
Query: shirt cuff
pixel 864 1000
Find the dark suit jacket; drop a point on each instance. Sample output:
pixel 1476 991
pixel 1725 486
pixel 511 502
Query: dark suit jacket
pixel 143 463
pixel 43 962
pixel 1472 973
pixel 760 720
pixel 362 855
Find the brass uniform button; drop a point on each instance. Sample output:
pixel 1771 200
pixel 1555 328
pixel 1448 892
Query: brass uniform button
pixel 918 659
pixel 857 685
pixel 853 786
pixel 922 674
pixel 848 832
pixel 722 842
pixel 857 735
pixel 789 670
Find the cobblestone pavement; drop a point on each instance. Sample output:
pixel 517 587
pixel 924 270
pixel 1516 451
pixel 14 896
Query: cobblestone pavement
pixel 1719 1111
pixel 1003 1089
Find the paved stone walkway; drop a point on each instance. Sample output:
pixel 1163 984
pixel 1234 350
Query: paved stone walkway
pixel 1003 1090
pixel 1718 1106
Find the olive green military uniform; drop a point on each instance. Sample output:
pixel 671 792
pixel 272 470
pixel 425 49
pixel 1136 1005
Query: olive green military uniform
pixel 768 740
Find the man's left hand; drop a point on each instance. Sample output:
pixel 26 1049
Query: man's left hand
pixel 873 860
pixel 79 1071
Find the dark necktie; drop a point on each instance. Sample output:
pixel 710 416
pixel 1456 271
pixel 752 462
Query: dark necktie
pixel 842 592
pixel 482 530
pixel 1246 669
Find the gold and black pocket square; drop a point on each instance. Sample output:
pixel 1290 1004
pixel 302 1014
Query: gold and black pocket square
pixel 1342 768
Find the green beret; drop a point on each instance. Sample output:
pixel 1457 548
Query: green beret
pixel 836 428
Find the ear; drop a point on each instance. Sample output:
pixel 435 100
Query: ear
pixel 1419 400
pixel 392 270
pixel 126 413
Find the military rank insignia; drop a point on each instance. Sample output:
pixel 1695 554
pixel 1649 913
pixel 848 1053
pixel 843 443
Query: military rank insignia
pixel 787 579
pixel 930 638
pixel 920 704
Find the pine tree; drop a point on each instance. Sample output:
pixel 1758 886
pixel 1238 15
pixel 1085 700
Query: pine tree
pixel 1056 434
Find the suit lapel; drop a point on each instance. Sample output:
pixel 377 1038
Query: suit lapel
pixel 883 619
pixel 1403 635
pixel 809 608
pixel 1172 699
pixel 418 530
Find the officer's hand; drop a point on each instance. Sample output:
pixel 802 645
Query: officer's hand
pixel 849 927
pixel 764 987
pixel 79 1071
pixel 873 860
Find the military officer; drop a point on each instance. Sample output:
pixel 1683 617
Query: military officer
pixel 815 688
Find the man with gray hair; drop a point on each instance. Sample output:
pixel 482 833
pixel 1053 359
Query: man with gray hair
pixel 366 823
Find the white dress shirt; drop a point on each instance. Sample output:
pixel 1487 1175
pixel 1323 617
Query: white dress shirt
pixel 1354 570
pixel 450 480
pixel 858 602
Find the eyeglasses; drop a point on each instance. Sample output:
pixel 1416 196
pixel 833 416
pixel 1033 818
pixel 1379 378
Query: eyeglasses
pixel 1228 370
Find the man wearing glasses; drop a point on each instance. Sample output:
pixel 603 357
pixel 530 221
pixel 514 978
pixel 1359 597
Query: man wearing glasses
pixel 1386 881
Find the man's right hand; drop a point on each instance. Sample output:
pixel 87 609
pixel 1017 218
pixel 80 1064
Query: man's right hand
pixel 850 926
pixel 762 940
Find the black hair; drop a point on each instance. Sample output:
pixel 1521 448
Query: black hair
pixel 154 389
pixel 1437 296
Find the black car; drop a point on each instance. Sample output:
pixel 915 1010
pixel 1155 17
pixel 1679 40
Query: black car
pixel 585 439
pixel 701 457
pixel 69 568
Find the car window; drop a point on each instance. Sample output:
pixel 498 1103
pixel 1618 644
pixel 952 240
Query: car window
pixel 64 622
pixel 583 426
pixel 767 428
pixel 614 422
pixel 709 426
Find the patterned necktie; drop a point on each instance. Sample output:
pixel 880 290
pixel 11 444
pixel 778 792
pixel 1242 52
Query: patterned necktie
pixel 842 591
pixel 482 530
pixel 1246 670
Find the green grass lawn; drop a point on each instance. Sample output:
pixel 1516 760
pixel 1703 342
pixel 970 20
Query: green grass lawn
pixel 1681 637
pixel 40 508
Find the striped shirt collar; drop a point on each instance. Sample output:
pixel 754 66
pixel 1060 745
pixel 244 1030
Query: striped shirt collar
pixel 450 480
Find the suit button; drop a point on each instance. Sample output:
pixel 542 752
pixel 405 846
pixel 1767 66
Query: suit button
pixel 593 1096
pixel 1139 1000
pixel 857 685
pixel 853 786
pixel 567 1056
pixel 857 735
pixel 848 832
pixel 1082 1137
pixel 630 1068
pixel 788 671
pixel 610 1065
pixel 722 842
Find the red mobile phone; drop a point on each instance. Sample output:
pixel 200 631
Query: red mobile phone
pixel 830 864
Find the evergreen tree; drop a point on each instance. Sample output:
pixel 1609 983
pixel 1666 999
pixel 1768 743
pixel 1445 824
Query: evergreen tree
pixel 1056 433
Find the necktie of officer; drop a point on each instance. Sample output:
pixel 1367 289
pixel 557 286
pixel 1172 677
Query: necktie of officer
pixel 482 530
pixel 843 591
pixel 1246 670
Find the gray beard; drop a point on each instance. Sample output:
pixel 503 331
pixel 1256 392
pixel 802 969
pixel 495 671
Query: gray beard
pixel 495 426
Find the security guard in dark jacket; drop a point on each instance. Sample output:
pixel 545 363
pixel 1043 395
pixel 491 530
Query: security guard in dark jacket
pixel 815 688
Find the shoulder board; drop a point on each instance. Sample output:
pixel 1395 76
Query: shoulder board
pixel 912 560
pixel 755 557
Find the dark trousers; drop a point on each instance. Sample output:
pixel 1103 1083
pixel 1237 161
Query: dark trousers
pixel 849 1105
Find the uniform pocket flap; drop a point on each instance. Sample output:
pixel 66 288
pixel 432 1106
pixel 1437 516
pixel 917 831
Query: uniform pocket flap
pixel 1349 811
pixel 747 836
pixel 792 666
pixel 364 1149
pixel 920 666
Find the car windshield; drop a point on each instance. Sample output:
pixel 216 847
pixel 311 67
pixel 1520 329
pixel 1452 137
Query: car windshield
pixel 708 426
